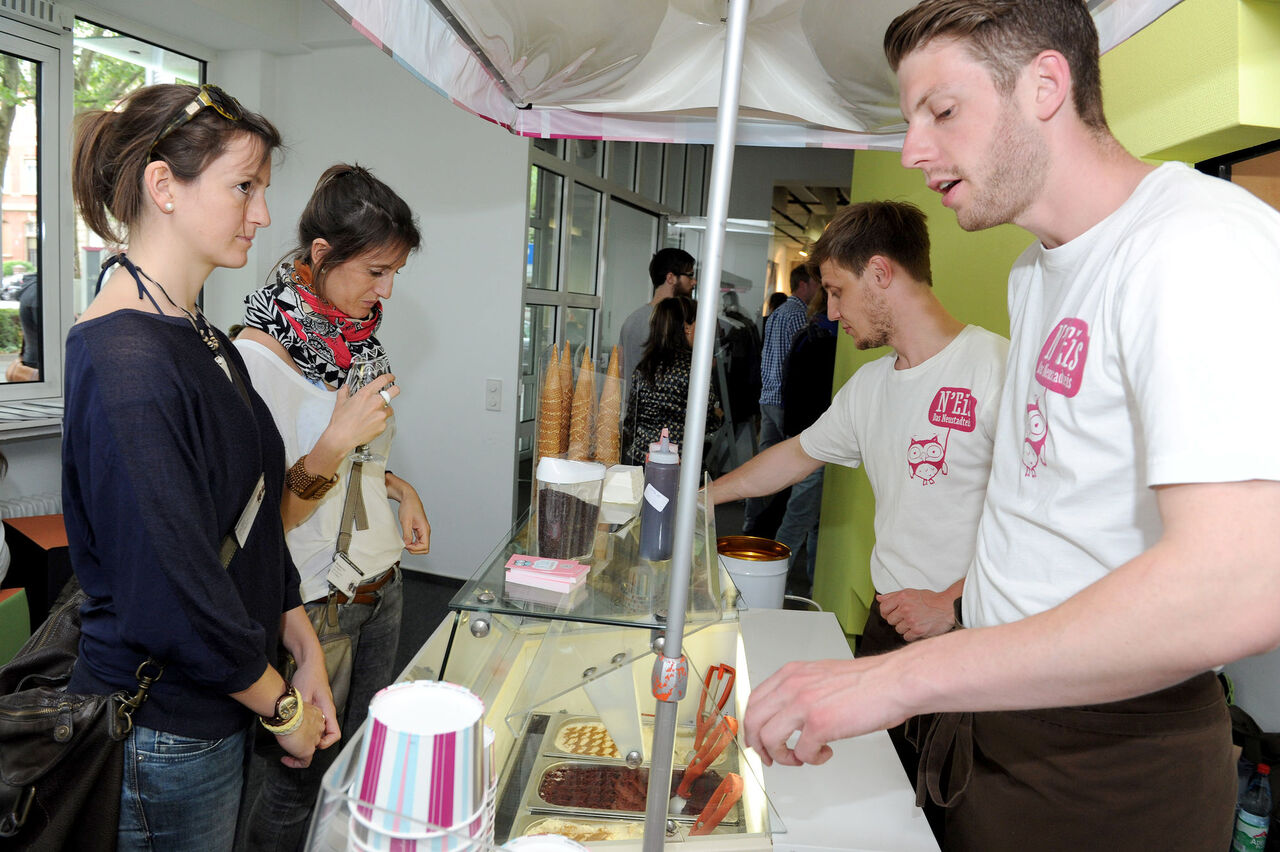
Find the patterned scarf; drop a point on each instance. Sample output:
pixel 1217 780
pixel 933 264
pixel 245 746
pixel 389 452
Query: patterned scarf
pixel 321 339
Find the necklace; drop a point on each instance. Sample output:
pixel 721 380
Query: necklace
pixel 197 320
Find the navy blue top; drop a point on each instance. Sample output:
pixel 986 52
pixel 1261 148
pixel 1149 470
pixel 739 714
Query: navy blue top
pixel 159 456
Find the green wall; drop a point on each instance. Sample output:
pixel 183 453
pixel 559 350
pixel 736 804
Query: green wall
pixel 1199 82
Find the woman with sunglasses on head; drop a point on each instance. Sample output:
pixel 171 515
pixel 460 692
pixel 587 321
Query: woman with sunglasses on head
pixel 172 467
pixel 307 333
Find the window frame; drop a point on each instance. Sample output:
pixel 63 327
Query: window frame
pixel 53 194
pixel 54 44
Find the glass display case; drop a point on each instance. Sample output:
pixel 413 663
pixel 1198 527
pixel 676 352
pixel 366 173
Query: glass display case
pixel 565 678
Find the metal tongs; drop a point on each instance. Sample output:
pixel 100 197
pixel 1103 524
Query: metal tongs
pixel 717 686
pixel 724 798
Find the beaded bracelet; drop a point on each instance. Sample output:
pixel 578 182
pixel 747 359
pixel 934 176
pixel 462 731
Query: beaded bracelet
pixel 304 484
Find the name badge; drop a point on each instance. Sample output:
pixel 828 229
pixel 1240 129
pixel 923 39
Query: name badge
pixel 250 511
pixel 344 575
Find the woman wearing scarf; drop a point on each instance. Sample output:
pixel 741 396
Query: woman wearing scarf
pixel 320 312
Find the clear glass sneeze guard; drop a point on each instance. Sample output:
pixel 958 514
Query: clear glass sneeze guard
pixel 621 589
pixel 540 667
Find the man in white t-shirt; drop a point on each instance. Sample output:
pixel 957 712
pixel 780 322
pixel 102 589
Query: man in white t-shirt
pixel 921 419
pixel 1128 544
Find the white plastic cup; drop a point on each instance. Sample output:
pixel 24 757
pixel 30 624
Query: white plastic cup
pixel 758 567
pixel 422 765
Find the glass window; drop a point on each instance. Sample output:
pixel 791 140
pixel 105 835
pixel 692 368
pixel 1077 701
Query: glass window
pixel 538 333
pixel 622 164
pixel 554 147
pixel 649 170
pixel 21 328
pixel 589 154
pixel 109 65
pixel 695 181
pixel 584 239
pixel 673 179
pixel 579 331
pixel 542 261
pixel 630 239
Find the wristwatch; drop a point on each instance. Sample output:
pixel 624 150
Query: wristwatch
pixel 288 717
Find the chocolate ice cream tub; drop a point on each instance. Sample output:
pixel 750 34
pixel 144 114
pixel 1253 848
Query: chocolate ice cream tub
pixel 597 789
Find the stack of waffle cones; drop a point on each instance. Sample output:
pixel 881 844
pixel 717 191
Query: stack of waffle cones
pixel 569 423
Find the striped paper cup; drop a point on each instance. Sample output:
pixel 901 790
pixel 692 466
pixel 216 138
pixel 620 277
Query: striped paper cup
pixel 422 768
pixel 476 836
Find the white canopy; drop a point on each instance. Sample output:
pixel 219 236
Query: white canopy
pixel 813 71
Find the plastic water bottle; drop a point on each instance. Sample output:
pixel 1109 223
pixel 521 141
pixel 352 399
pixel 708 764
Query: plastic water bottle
pixel 658 506
pixel 1254 816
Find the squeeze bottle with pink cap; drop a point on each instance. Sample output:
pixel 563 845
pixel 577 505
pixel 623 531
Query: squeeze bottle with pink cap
pixel 658 510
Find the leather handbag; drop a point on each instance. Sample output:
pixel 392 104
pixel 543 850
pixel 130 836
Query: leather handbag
pixel 339 656
pixel 61 753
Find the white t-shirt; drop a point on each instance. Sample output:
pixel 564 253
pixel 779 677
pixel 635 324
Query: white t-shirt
pixel 1142 355
pixel 302 411
pixel 925 436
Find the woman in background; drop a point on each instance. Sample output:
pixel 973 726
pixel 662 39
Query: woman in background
pixel 319 312
pixel 171 469
pixel 660 383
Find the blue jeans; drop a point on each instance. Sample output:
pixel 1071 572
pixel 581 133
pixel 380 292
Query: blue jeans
pixel 180 793
pixel 800 523
pixel 770 433
pixel 281 813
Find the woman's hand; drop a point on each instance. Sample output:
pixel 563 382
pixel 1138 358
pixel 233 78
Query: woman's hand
pixel 301 744
pixel 357 419
pixel 415 529
pixel 312 683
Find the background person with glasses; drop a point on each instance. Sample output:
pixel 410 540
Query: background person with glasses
pixel 165 447
pixel 671 272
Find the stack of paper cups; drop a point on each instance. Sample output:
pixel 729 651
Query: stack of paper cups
pixel 491 782
pixel 422 780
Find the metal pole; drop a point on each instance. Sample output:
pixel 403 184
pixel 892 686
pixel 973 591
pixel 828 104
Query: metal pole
pixel 695 420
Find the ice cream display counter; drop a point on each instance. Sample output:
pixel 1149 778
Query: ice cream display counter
pixel 566 685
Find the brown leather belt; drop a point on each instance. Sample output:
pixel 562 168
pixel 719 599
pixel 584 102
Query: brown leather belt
pixel 365 593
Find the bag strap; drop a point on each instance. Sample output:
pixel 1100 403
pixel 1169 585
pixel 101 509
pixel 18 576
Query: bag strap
pixel 353 511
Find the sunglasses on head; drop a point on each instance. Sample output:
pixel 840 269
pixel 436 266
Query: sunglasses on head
pixel 209 96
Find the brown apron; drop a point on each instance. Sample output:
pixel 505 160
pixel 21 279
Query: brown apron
pixel 1152 773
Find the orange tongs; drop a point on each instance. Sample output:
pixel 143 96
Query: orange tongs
pixel 711 749
pixel 724 798
pixel 716 686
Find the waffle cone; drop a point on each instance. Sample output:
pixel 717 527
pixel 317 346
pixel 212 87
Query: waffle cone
pixel 608 439
pixel 584 403
pixel 551 410
pixel 566 388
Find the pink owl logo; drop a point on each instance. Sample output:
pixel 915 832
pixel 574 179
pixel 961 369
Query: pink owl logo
pixel 926 459
pixel 1037 430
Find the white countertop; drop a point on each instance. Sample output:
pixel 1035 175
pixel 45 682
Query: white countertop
pixel 860 799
